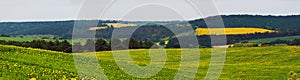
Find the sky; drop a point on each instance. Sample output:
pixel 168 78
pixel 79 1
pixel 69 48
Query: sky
pixel 41 10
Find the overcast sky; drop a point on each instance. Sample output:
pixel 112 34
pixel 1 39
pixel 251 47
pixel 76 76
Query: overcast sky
pixel 32 10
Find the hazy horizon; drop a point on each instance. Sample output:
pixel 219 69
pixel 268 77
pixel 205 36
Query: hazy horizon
pixel 142 21
pixel 53 10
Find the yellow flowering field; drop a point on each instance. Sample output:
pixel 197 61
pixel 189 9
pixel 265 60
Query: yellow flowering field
pixel 252 63
pixel 230 31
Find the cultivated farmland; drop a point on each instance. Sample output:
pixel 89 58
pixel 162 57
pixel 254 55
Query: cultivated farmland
pixel 119 25
pixel 229 31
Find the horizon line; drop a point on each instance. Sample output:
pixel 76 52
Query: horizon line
pixel 55 20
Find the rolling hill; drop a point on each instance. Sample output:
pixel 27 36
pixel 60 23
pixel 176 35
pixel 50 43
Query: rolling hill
pixel 64 28
pixel 279 23
pixel 241 63
pixel 30 39
pixel 273 39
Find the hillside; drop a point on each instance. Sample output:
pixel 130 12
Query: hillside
pixel 17 39
pixel 241 63
pixel 29 39
pixel 25 63
pixel 58 28
pixel 230 31
pixel 64 28
pixel 280 23
pixel 273 39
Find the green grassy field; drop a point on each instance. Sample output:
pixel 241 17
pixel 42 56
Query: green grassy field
pixel 17 39
pixel 241 63
pixel 82 41
pixel 27 39
pixel 273 39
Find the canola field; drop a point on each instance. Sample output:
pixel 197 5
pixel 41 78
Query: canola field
pixel 120 25
pixel 230 31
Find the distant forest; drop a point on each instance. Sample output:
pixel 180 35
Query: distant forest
pixel 281 23
pixel 64 28
pixel 205 40
pixel 152 33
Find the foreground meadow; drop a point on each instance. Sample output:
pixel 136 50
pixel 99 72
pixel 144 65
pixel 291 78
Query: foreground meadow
pixel 241 63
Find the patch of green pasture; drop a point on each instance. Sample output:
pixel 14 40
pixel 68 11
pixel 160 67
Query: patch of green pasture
pixel 241 63
pixel 273 39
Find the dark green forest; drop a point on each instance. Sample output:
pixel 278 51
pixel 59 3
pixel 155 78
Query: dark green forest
pixel 281 23
pixel 64 28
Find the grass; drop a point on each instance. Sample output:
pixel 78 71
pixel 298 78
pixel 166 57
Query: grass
pixel 17 39
pixel 28 39
pixel 241 63
pixel 81 40
pixel 27 63
pixel 229 31
pixel 273 39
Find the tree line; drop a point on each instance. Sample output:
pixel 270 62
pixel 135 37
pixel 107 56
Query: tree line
pixel 112 44
pixel 89 46
pixel 205 40
pixel 281 23
pixel 294 42
pixel 63 46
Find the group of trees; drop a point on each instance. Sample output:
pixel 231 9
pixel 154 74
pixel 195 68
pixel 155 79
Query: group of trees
pixel 295 42
pixel 281 23
pixel 113 44
pixel 61 29
pixel 148 32
pixel 63 46
pixel 205 40
pixel 90 45
pixel 231 39
pixel 2 35
pixel 117 44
